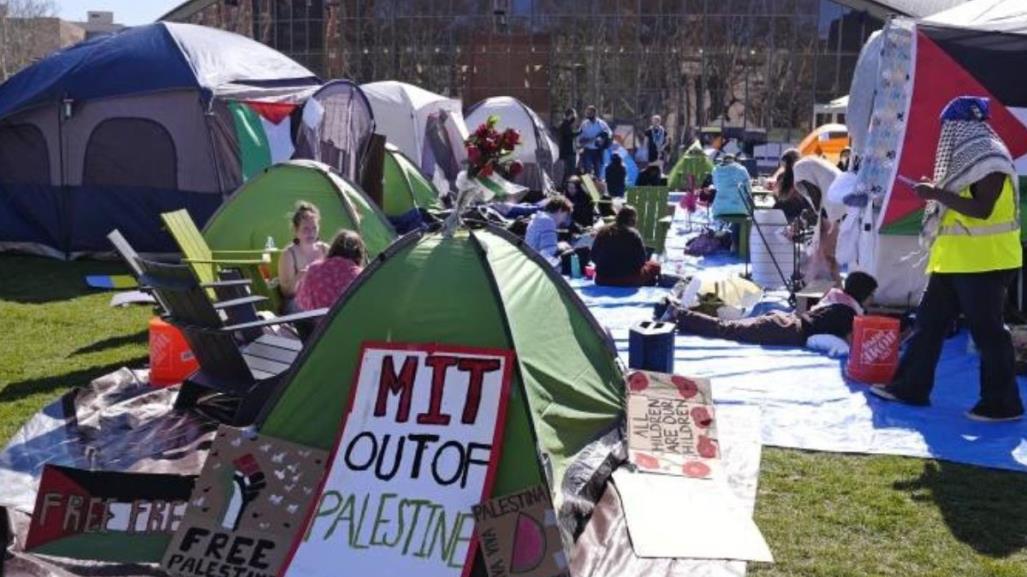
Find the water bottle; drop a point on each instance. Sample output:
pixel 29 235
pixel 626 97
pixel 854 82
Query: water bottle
pixel 575 266
pixel 269 249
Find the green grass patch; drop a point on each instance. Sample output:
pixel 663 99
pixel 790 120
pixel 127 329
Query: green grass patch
pixel 823 514
pixel 58 333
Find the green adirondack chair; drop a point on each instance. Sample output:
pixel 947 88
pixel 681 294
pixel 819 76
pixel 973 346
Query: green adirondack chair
pixel 208 265
pixel 593 191
pixel 654 214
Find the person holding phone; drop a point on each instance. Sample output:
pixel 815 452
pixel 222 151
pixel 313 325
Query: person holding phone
pixel 972 227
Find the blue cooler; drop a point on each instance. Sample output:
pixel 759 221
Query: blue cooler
pixel 651 346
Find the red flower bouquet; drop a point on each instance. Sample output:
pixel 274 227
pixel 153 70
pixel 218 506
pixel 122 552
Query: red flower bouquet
pixel 489 151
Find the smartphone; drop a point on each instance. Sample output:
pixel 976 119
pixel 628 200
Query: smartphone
pixel 907 180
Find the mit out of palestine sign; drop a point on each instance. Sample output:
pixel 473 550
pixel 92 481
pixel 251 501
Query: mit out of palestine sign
pixel 418 450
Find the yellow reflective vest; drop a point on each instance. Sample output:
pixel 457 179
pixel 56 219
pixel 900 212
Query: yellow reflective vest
pixel 966 245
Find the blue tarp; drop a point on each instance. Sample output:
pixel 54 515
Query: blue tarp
pixel 807 403
pixel 150 58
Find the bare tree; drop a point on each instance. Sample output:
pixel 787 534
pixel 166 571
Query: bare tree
pixel 22 33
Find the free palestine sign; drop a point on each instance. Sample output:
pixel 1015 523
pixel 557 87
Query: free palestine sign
pixel 418 450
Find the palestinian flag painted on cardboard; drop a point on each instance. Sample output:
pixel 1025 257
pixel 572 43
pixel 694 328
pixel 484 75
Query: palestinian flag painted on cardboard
pixel 106 516
pixel 264 133
pixel 953 62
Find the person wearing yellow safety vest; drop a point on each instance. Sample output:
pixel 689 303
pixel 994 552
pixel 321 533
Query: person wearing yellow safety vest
pixel 972 224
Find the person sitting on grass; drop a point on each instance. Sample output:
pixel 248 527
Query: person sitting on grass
pixel 833 315
pixel 620 256
pixel 326 280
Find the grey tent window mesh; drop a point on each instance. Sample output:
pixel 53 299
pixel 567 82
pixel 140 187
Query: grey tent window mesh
pixel 135 152
pixel 24 157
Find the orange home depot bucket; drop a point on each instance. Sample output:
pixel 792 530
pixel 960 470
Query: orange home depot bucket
pixel 171 361
pixel 875 349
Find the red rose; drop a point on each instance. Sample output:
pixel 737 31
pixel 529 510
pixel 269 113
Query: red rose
pixel 482 131
pixel 511 137
pixel 486 170
pixel 516 167
pixel 473 154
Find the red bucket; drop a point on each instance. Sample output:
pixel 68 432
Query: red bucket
pixel 875 350
pixel 171 360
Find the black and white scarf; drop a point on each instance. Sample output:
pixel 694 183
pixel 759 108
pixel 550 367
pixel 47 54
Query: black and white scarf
pixel 968 151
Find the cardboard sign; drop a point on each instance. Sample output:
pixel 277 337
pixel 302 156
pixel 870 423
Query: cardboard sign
pixel 519 535
pixel 671 425
pixel 246 508
pixel 105 516
pixel 672 517
pixel 419 448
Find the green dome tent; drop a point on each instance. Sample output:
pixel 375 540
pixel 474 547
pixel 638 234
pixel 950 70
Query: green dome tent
pixel 405 188
pixel 691 169
pixel 480 288
pixel 263 207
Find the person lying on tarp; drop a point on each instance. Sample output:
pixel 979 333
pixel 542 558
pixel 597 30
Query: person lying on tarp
pixel 620 256
pixel 833 315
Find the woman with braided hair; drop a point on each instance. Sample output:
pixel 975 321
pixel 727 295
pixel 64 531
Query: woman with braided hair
pixel 972 228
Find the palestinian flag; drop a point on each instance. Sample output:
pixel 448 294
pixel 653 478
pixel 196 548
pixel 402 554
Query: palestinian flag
pixel 495 187
pixel 951 62
pixel 264 133
pixel 106 516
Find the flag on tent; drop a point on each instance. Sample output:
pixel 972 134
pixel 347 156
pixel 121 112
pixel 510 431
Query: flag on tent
pixel 949 63
pixel 497 187
pixel 264 133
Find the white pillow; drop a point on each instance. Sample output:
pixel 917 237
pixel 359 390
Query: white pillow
pixel 830 344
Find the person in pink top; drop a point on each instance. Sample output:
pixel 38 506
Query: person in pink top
pixel 326 280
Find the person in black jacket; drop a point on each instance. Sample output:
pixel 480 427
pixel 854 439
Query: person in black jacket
pixel 566 133
pixel 583 216
pixel 616 176
pixel 619 254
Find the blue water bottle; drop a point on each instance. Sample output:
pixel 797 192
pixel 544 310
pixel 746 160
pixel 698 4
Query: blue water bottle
pixel 575 266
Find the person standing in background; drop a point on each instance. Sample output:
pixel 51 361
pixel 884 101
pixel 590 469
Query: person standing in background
pixel 594 136
pixel 656 140
pixel 566 133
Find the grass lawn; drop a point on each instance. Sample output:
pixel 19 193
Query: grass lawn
pixel 823 514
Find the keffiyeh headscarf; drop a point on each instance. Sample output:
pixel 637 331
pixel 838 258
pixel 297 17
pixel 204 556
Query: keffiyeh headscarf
pixel 968 150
